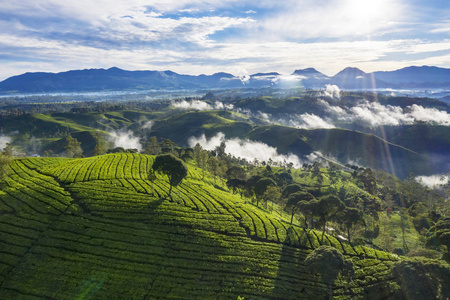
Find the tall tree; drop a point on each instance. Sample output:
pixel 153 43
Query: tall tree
pixel 4 165
pixel 328 262
pixel 236 172
pixel 172 167
pixel 152 147
pixel 421 278
pixel 261 187
pixel 100 146
pixel 349 217
pixel 328 207
pixel 294 200
pixel 73 147
pixel 8 150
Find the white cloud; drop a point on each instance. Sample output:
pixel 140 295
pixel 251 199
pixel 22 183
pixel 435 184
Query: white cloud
pixel 4 139
pixel 148 125
pixel 125 139
pixel 201 105
pixel 433 180
pixel 334 110
pixel 245 149
pixel 308 121
pixel 191 105
pixel 315 156
pixel 223 106
pixel 332 91
pixel 430 115
pixel 375 114
pixel 331 19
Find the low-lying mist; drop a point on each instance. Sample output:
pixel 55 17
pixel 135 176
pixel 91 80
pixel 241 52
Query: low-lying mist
pixel 247 149
pixel 125 139
pixel 433 180
pixel 201 105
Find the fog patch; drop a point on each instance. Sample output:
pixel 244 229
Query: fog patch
pixel 125 139
pixel 375 114
pixel 34 145
pixel 433 180
pixel 332 91
pixel 147 125
pixel 314 156
pixel 4 139
pixel 334 110
pixel 223 106
pixel 247 149
pixel 201 105
pixel 430 115
pixel 191 105
pixel 309 121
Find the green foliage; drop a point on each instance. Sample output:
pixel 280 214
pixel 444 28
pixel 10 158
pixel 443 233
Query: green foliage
pixel 295 201
pixel 172 167
pixel 73 147
pixel 423 279
pixel 328 262
pixel 100 145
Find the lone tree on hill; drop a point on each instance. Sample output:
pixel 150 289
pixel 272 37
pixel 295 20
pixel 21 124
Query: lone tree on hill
pixel 328 262
pixel 172 167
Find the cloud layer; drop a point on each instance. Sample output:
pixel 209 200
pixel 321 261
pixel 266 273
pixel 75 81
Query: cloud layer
pixel 246 149
pixel 207 36
pixel 125 139
pixel 373 114
pixel 433 180
pixel 201 105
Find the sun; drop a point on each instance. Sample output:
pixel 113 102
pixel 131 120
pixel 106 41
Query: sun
pixel 368 15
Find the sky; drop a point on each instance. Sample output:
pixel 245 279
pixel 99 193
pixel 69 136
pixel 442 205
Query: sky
pixel 241 37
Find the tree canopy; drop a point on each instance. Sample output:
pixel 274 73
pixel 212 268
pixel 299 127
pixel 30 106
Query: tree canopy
pixel 172 167
pixel 328 262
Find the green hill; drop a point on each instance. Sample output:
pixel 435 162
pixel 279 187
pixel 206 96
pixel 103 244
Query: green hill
pixel 179 126
pixel 96 228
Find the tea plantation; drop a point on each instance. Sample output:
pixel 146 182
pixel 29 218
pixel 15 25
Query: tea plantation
pixel 97 228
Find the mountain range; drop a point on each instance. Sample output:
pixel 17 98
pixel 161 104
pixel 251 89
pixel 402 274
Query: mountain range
pixel 114 79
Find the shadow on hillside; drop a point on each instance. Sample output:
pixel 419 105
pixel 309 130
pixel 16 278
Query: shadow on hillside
pixel 293 281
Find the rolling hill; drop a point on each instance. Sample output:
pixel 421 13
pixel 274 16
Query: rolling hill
pixel 96 228
pixel 179 126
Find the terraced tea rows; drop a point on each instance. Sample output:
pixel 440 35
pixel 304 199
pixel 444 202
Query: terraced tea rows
pixel 98 228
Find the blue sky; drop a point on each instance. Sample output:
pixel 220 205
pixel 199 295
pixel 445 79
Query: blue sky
pixel 236 36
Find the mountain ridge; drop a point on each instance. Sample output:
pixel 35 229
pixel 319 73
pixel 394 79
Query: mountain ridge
pixel 115 78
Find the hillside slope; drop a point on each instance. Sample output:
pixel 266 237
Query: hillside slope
pixel 97 228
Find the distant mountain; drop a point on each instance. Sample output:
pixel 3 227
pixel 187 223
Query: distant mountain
pixel 355 79
pixel 424 75
pixel 310 73
pixel 115 79
pixel 271 74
